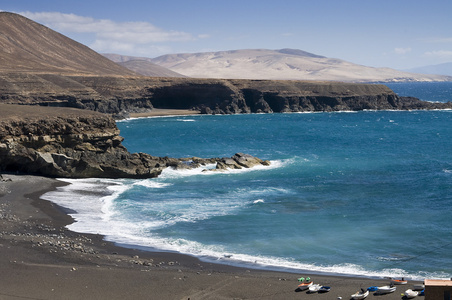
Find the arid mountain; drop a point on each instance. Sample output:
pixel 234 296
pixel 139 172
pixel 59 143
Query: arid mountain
pixel 26 46
pixel 443 69
pixel 142 65
pixel 284 64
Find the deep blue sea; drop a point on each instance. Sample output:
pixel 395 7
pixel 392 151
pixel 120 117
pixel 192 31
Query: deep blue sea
pixel 353 193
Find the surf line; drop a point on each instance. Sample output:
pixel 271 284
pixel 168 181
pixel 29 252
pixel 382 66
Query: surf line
pixel 417 256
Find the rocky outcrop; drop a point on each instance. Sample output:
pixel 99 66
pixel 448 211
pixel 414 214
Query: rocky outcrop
pixel 61 142
pixel 240 161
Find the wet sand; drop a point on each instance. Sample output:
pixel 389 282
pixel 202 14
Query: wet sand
pixel 40 259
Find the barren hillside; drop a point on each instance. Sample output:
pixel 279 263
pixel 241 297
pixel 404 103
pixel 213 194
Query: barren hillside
pixel 26 46
pixel 284 64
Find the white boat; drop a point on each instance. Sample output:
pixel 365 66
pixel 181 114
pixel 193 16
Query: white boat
pixel 360 295
pixel 314 288
pixel 304 285
pixel 409 294
pixel 386 289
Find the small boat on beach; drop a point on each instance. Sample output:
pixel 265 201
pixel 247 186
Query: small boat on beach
pixel 324 289
pixel 385 289
pixel 372 288
pixel 399 281
pixel 418 287
pixel 313 288
pixel 409 294
pixel 304 285
pixel 360 295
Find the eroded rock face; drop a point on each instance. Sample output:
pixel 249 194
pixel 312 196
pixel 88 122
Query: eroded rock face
pixel 75 144
pixel 122 95
pixel 61 142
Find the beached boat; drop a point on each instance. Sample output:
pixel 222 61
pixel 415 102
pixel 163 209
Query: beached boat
pixel 305 285
pixel 372 288
pixel 409 294
pixel 360 295
pixel 324 289
pixel 399 281
pixel 314 288
pixel 418 287
pixel 386 289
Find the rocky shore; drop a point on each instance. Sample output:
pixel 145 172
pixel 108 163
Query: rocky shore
pixel 74 143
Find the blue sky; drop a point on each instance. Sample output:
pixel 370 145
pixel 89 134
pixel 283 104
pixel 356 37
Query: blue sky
pixel 399 34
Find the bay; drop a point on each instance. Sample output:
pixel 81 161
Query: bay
pixel 363 193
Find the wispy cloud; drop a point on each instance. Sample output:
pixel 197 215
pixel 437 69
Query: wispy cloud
pixel 111 36
pixel 402 50
pixel 439 53
pixel 438 40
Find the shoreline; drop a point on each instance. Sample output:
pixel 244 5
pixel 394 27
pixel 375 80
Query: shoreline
pixel 47 261
pixel 163 112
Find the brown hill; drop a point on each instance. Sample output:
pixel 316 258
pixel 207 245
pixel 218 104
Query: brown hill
pixel 142 65
pixel 147 68
pixel 26 46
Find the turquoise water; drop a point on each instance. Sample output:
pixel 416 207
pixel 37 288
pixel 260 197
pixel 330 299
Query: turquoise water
pixel 366 193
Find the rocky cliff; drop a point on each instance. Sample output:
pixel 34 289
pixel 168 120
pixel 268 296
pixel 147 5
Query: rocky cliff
pixel 123 95
pixel 61 142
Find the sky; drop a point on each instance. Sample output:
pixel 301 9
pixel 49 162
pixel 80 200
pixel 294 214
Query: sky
pixel 399 34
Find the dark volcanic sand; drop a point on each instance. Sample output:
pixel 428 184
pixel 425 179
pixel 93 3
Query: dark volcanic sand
pixel 40 259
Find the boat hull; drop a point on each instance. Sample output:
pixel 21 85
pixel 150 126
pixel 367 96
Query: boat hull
pixel 359 295
pixel 410 294
pixel 304 286
pixel 386 289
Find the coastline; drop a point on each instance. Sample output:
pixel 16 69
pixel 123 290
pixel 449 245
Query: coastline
pixel 162 112
pixel 44 260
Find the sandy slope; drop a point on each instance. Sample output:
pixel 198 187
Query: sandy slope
pixel 285 64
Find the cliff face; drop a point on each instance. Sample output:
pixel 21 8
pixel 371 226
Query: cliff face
pixel 123 95
pixel 67 143
pixel 61 142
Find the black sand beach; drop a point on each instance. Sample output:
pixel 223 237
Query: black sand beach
pixel 40 259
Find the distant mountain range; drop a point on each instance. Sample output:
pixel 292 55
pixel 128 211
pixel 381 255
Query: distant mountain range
pixel 443 69
pixel 29 47
pixel 284 64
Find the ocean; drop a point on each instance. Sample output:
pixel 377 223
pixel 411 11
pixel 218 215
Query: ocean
pixel 347 193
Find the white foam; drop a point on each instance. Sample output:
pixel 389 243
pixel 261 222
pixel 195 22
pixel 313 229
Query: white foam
pixel 93 200
pixel 90 199
pixel 152 183
pixel 174 173
pixel 218 254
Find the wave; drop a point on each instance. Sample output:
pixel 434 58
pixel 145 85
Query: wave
pixel 217 254
pixel 152 183
pixel 93 203
pixel 206 170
